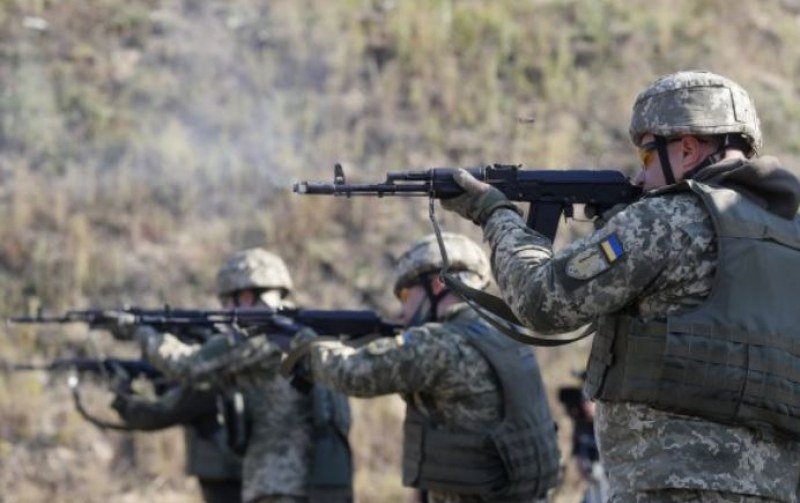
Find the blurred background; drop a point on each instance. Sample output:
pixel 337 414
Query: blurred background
pixel 141 141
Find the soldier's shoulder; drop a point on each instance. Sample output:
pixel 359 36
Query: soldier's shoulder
pixel 431 333
pixel 436 338
pixel 664 205
pixel 672 210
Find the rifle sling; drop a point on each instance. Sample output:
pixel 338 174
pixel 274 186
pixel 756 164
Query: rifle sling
pixel 491 308
pixel 84 412
pixel 497 313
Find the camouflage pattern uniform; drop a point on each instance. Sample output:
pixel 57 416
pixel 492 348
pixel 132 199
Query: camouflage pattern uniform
pixel 217 468
pixel 432 366
pixel 667 264
pixel 277 459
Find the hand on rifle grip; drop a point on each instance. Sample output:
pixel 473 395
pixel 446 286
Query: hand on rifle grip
pixel 296 365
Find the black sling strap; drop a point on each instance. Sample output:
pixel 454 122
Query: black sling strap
pixel 491 308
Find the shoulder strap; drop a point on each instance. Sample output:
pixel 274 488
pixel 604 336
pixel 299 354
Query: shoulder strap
pixel 499 315
pixel 492 308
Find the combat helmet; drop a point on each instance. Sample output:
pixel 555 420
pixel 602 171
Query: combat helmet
pixel 695 103
pixel 424 258
pixel 254 268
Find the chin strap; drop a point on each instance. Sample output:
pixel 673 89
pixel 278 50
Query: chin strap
pixel 666 167
pixel 422 314
pixel 433 298
pixel 663 157
pixel 713 158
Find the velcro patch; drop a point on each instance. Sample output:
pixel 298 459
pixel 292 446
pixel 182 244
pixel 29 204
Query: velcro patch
pixel 612 248
pixel 592 261
pixel 383 345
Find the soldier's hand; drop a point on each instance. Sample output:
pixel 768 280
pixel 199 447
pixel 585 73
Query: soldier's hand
pixel 122 325
pixel 296 365
pixel 303 337
pixel 479 199
pixel 120 404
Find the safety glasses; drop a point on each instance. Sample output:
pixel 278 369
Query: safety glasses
pixel 648 150
pixel 403 295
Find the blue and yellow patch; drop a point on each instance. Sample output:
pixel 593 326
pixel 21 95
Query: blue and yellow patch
pixel 612 248
pixel 592 261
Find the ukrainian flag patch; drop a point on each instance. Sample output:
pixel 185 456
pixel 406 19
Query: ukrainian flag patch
pixel 612 248
pixel 595 259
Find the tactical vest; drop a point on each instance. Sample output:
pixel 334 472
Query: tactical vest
pixel 209 458
pixel 734 359
pixel 516 461
pixel 236 420
pixel 331 473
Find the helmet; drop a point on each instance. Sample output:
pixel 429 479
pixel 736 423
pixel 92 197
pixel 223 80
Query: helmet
pixel 253 268
pixel 695 103
pixel 424 258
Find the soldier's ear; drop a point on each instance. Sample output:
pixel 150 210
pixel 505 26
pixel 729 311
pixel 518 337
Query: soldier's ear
pixel 437 285
pixel 692 153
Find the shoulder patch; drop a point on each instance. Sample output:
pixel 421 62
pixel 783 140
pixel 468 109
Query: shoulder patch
pixel 592 261
pixel 612 248
pixel 383 345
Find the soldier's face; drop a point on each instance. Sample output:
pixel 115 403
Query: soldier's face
pixel 411 300
pixel 684 153
pixel 240 299
pixel 651 176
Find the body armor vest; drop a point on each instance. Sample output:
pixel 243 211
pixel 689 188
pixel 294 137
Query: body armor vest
pixel 516 461
pixel 331 473
pixel 734 359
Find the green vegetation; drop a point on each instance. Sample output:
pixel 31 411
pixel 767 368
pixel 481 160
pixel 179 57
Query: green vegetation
pixel 141 141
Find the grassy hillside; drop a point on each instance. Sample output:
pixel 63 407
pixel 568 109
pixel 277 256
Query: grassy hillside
pixel 141 141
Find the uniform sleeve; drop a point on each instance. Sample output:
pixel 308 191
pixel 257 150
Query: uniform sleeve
pixel 406 363
pixel 178 405
pixel 596 275
pixel 218 360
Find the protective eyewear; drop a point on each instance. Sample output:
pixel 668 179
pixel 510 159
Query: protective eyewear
pixel 245 297
pixel 648 150
pixel 404 294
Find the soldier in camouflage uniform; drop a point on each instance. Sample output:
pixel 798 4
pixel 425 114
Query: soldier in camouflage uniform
pixel 695 364
pixel 468 435
pixel 580 410
pixel 285 423
pixel 217 468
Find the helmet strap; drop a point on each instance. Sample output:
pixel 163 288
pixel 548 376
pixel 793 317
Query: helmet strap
pixel 663 157
pixel 421 315
pixel 433 298
pixel 712 158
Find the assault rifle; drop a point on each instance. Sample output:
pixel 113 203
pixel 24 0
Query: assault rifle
pixel 263 321
pixel 102 366
pixel 121 371
pixel 550 193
